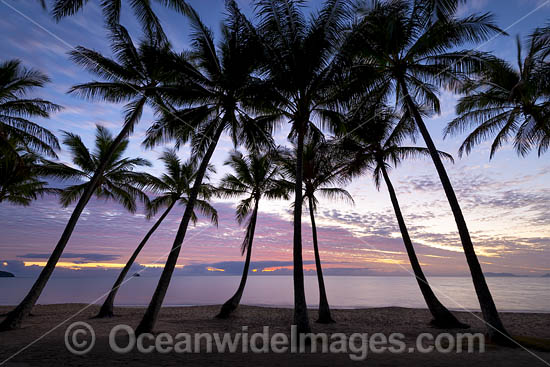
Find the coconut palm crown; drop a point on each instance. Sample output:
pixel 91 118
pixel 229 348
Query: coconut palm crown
pixel 505 102
pixel 176 184
pixel 120 182
pixel 112 8
pixel 21 175
pixel 16 82
pixel 254 176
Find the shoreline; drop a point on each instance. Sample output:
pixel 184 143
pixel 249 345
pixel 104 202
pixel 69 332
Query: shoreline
pixel 51 350
pixel 286 307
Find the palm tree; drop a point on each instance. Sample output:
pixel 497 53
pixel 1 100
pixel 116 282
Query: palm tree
pixel 303 72
pixel 505 101
pixel 219 90
pixel 255 176
pixel 118 182
pixel 20 175
pixel 136 75
pixel 15 109
pixel 111 11
pixel 173 187
pixel 135 79
pixel 322 169
pixel 376 147
pixel 412 55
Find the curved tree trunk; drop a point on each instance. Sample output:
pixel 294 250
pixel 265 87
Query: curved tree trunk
pixel 324 309
pixel 151 314
pixel 232 304
pixel 443 318
pixel 301 319
pixel 495 328
pixel 108 306
pixel 15 317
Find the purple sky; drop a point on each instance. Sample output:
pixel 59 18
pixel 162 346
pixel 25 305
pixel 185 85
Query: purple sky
pixel 505 200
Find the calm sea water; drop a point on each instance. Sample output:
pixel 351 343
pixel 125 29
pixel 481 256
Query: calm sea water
pixel 511 294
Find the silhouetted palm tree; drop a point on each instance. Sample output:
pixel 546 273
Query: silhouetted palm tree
pixel 303 73
pixel 255 176
pixel 15 109
pixel 135 75
pixel 118 181
pixel 322 169
pixel 506 101
pixel 172 188
pixel 376 146
pixel 412 55
pixel 21 175
pixel 135 79
pixel 218 89
pixel 111 11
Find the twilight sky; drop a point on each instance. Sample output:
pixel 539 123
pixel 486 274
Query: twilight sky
pixel 505 200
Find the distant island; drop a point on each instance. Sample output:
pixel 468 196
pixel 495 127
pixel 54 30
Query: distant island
pixel 5 274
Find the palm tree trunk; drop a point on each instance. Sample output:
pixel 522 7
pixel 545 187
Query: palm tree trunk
pixel 16 317
pixel 443 318
pixel 151 314
pixel 108 306
pixel 301 319
pixel 495 328
pixel 324 309
pixel 232 304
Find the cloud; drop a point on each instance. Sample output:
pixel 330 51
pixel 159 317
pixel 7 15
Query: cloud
pixel 234 268
pixel 476 190
pixel 90 257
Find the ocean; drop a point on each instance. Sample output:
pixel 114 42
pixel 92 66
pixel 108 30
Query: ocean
pixel 457 293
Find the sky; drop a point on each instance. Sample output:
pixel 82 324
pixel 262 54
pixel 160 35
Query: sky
pixel 505 200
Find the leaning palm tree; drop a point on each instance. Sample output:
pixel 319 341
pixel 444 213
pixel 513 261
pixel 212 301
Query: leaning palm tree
pixel 111 11
pixel 303 71
pixel 118 182
pixel 376 147
pixel 15 109
pixel 218 91
pixel 413 55
pixel 323 167
pixel 135 78
pixel 504 101
pixel 173 187
pixel 255 177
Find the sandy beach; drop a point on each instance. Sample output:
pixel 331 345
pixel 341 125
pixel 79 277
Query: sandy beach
pixel 45 344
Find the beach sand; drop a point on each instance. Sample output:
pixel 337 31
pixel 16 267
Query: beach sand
pixel 50 349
